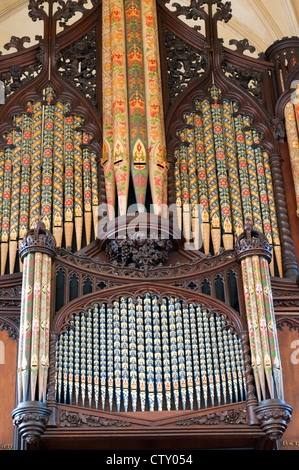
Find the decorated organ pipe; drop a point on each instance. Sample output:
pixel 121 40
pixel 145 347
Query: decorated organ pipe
pixel 134 146
pixel 291 114
pixel 253 252
pixel 47 171
pixel 37 251
pixel 150 354
pixel 222 171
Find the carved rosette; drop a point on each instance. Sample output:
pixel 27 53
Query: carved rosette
pixel 31 419
pixel 38 239
pixel 252 243
pixel 273 416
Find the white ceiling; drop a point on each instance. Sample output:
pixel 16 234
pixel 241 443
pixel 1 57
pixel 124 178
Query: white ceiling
pixel 260 21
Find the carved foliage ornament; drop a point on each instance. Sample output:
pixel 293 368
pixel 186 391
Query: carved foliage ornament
pixel 38 239
pixel 185 64
pixel 196 10
pixel 140 252
pixel 68 419
pixel 65 10
pixel 77 63
pixel 235 416
pixel 252 242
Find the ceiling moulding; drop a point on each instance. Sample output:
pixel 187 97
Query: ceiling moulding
pixel 267 19
pixel 291 16
pixel 9 7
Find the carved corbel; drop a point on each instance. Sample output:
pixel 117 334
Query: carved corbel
pixel 273 416
pixel 31 419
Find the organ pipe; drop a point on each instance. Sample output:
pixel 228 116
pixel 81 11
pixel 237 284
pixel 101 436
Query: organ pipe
pixel 156 354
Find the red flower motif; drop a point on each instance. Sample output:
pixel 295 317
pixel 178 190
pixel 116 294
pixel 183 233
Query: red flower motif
pixel 68 202
pixel 69 120
pixel 24 220
pixel 120 178
pixel 264 199
pixel 25 190
pixel 240 138
pixel 267 227
pixel 69 174
pixel 149 20
pixel 226 211
pixel 217 129
pixel 223 183
pixel 69 146
pixel 220 155
pixel 87 195
pixel 49 125
pixel 47 180
pixel 243 165
pixel 85 140
pixel 86 166
pixel 185 196
pixel 202 175
pixel 26 161
pixel 6 195
pixel 204 203
pixel 46 210
pixel 245 192
pixel 7 167
pixel 200 148
pixel 197 122
pixel 27 135
pixel 48 153
pixel 5 225
pixel 261 171
pixel 9 140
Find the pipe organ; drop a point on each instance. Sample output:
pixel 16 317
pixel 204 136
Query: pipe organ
pixel 148 230
pixel 223 171
pixel 49 173
pixel 149 354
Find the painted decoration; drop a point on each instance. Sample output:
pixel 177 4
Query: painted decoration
pixel 151 354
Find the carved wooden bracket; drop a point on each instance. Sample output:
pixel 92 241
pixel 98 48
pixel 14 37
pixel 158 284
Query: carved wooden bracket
pixel 274 416
pixel 31 419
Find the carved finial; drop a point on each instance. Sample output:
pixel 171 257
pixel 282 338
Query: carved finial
pixel 242 45
pixel 248 227
pixel 17 43
pixel 38 239
pixel 278 128
pixel 252 242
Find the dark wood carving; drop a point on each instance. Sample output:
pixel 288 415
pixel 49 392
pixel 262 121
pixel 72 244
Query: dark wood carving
pixel 189 62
